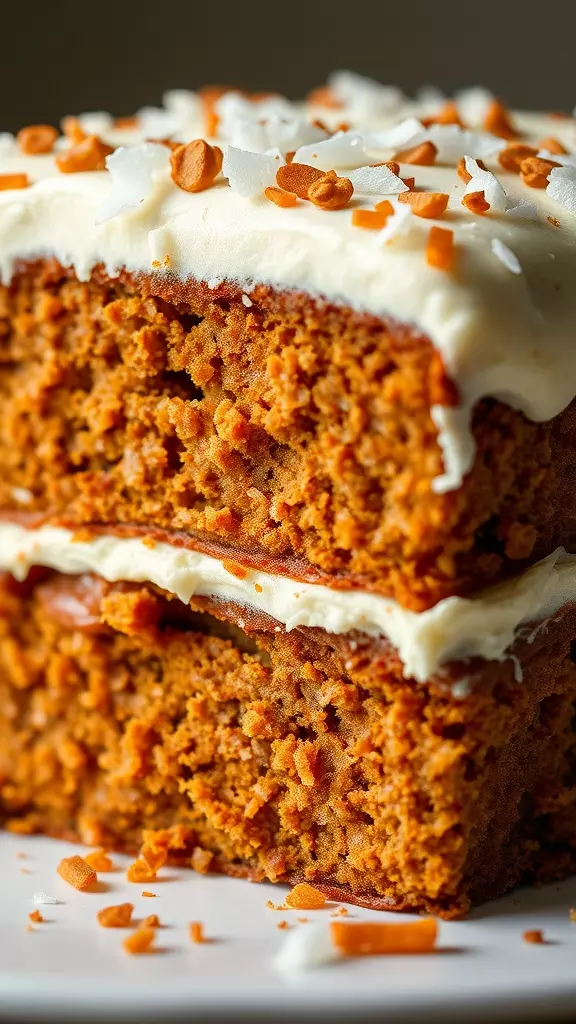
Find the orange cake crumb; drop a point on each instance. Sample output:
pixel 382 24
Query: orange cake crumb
pixel 77 873
pixel 150 895
pixel 535 937
pixel 36 916
pixel 139 941
pixel 99 860
pixel 425 204
pixel 282 925
pixel 140 871
pixel 368 938
pixel 554 221
pixel 118 916
pixel 154 856
pixel 37 138
pixel 201 860
pixel 305 897
pixel 196 931
pixel 440 248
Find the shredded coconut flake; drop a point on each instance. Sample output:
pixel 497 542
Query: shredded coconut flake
pixel 565 159
pixel 398 224
pixel 44 897
pixel 377 181
pixel 249 173
pixel 506 256
pixel 485 181
pixel 344 150
pixel 307 947
pixel 8 144
pixel 522 208
pixel 96 122
pixel 247 301
pixel 453 142
pixel 562 187
pixel 134 171
pixel 409 132
pixel 363 96
pixel 473 104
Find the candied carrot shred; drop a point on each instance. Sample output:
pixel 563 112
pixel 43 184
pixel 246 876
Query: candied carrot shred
pixel 305 897
pixel 375 938
pixel 423 155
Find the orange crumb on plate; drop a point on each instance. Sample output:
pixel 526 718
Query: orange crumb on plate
pixel 139 941
pixel 370 938
pixel 152 921
pixel 305 897
pixel 36 916
pixel 196 931
pixel 149 894
pixel 118 916
pixel 77 873
pixel 282 925
pixel 140 871
pixel 99 860
pixel 535 937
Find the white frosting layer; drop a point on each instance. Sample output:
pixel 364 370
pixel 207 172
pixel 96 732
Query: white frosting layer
pixel 456 628
pixel 509 335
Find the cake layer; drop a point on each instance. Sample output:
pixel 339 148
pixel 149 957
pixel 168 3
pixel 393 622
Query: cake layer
pixel 283 755
pixel 289 434
pixel 455 628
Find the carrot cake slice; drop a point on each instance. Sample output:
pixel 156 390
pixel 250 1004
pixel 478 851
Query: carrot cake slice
pixel 287 489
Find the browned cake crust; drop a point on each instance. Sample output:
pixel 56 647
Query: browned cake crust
pixel 283 756
pixel 292 434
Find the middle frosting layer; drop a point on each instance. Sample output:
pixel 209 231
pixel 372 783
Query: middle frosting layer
pixel 456 628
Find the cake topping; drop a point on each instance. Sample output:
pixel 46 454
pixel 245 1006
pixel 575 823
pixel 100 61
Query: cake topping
pixel 344 150
pixel 378 179
pixel 372 219
pixel 297 178
pixel 10 181
pixel 422 155
pixel 562 187
pixel 280 198
pixel 497 121
pixel 440 248
pixel 330 192
pixel 77 873
pixel 535 171
pixel 506 256
pixel 553 146
pixel 87 155
pixel 195 165
pixel 512 157
pixel 426 204
pixel 249 174
pixel 476 202
pixel 38 138
pixel 133 171
pixel 486 182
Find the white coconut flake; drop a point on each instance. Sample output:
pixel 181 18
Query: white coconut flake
pixel 398 224
pixel 564 159
pixel 134 171
pixel 22 495
pixel 506 256
pixel 430 100
pixel 44 897
pixel 453 142
pixel 522 208
pixel 260 125
pixel 97 122
pixel 377 181
pixel 184 103
pixel 562 187
pixel 364 96
pixel 249 173
pixel 343 150
pixel 485 181
pixel 247 301
pixel 307 947
pixel 409 132
pixel 8 144
pixel 473 104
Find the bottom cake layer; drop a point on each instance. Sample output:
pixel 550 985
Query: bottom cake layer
pixel 284 755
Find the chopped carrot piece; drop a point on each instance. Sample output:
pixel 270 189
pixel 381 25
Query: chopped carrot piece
pixel 440 248
pixel 77 873
pixel 424 155
pixel 384 206
pixel 305 897
pixel 8 181
pixel 476 202
pixel 369 938
pixel 152 921
pixel 425 204
pixel 497 121
pixel 463 173
pixel 535 937
pixel 196 930
pixel 280 197
pixel 373 219
pixel 552 145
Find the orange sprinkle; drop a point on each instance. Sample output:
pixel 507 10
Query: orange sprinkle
pixel 497 121
pixel 8 181
pixel 36 916
pixel 77 873
pixel 303 920
pixel 72 129
pixel 140 871
pixel 305 897
pixel 372 219
pixel 99 860
pixel 552 145
pixel 139 941
pixel 149 894
pixel 196 931
pixel 448 115
pixel 119 916
pixel 511 158
pixel 425 204
pixel 476 202
pixel 423 155
pixel 465 175
pixel 535 937
pixel 384 206
pixel 280 197
pixel 371 938
pixel 440 248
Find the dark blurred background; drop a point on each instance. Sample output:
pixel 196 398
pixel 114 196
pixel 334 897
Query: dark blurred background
pixel 69 56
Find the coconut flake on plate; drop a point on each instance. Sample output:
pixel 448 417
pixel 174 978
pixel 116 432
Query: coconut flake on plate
pixel 377 181
pixel 307 947
pixel 364 96
pixel 506 256
pixel 473 104
pixel 343 150
pixel 486 182
pixel 249 173
pixel 562 187
pixel 134 171
pixel 44 897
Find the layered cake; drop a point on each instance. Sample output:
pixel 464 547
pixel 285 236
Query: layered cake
pixel 288 488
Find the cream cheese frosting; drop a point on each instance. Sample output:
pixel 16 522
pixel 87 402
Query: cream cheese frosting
pixel 506 334
pixel 455 629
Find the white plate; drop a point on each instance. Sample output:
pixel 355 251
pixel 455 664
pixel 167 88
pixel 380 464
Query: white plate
pixel 71 968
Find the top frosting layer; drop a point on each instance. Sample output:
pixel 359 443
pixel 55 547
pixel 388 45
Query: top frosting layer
pixel 504 319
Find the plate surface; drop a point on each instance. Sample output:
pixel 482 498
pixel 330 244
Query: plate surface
pixel 71 968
